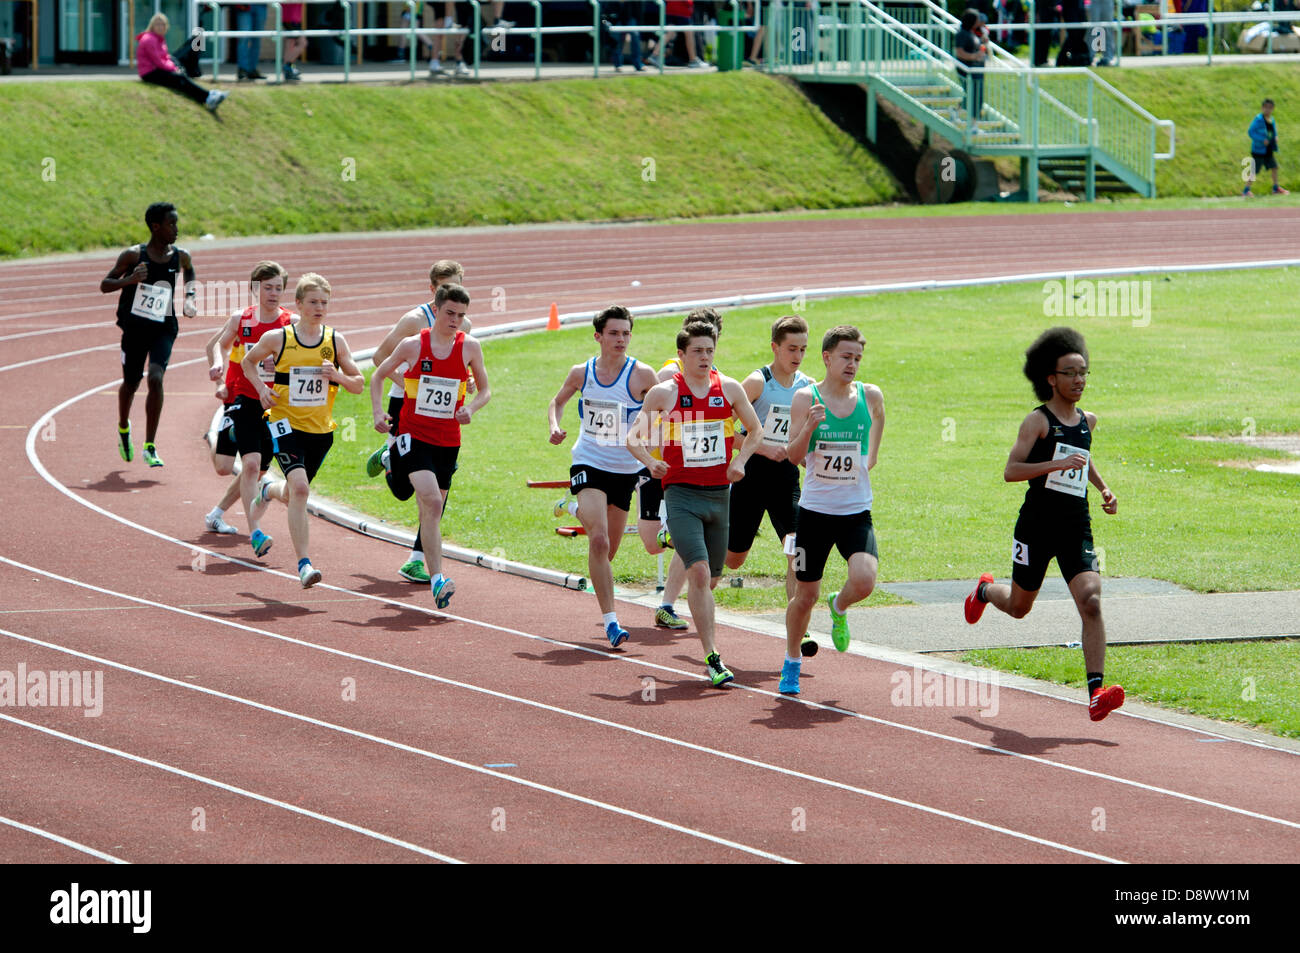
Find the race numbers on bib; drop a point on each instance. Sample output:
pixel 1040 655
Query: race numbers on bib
pixel 1019 553
pixel 838 461
pixel 307 386
pixel 437 397
pixel 279 428
pixel 1073 482
pixel 603 421
pixel 776 429
pixel 266 371
pixel 704 443
pixel 403 444
pixel 152 302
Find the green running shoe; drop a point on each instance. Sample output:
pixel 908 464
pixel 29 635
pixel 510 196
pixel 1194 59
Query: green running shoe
pixel 808 646
pixel 375 465
pixel 414 571
pixel 666 618
pixel 839 625
pixel 150 455
pixel 124 445
pixel 718 673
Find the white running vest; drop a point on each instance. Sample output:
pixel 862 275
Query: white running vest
pixel 604 414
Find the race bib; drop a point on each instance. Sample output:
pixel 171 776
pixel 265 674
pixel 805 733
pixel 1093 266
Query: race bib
pixel 704 443
pixel 279 428
pixel 838 461
pixel 226 423
pixel 266 371
pixel 152 302
pixel 403 444
pixel 776 429
pixel 437 397
pixel 604 421
pixel 307 386
pixel 1019 552
pixel 1073 482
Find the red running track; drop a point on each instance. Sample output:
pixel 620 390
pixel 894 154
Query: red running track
pixel 245 720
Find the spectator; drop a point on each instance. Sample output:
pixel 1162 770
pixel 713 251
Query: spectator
pixel 425 41
pixel 971 52
pixel 678 13
pixel 155 65
pixel 249 16
pixel 1263 143
pixel 291 20
pixel 1045 11
pixel 625 14
pixel 1103 11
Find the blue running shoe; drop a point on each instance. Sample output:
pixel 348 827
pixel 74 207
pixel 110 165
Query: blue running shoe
pixel 789 684
pixel 443 590
pixel 616 634
pixel 261 543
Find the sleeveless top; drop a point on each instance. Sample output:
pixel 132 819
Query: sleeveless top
pixel 393 389
pixel 698 445
pixel 837 483
pixel 247 333
pixel 435 390
pixel 604 414
pixel 306 397
pixel 150 305
pixel 1062 492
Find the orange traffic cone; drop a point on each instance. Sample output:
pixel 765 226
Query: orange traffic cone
pixel 553 322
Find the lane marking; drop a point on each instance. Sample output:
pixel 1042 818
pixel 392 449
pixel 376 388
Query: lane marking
pixel 62 840
pixel 408 749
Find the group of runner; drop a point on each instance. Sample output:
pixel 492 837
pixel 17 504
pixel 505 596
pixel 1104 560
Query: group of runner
pixel 670 436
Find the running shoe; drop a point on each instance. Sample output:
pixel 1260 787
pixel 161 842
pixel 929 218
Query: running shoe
pixel 666 618
pixel 462 69
pixel 218 525
pixel 665 538
pixel 414 571
pixel 150 455
pixel 442 592
pixel 1247 192
pixel 375 465
pixel 124 445
pixel 1104 701
pixel 261 543
pixel 561 508
pixel 308 575
pixel 974 604
pixel 215 99
pixel 839 625
pixel 1278 190
pixel 718 673
pixel 616 634
pixel 808 646
pixel 789 684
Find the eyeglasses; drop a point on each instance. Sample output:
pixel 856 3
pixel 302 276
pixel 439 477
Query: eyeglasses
pixel 1071 373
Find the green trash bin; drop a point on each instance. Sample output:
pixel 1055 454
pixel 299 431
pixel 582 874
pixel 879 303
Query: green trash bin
pixel 731 45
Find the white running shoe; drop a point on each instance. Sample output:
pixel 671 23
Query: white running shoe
pixel 218 525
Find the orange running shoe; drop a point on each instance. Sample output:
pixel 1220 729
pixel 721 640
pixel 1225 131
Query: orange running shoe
pixel 1104 701
pixel 974 604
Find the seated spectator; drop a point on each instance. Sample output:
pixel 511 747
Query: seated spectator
pixel 155 65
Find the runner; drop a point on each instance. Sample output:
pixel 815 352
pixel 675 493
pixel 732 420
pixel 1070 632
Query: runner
pixel 311 361
pixel 243 429
pixel 1053 451
pixel 698 406
pixel 224 447
pixel 771 483
pixel 145 277
pixel 604 474
pixel 835 426
pixel 411 323
pixel 439 361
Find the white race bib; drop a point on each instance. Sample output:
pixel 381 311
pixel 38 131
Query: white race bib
pixel 604 421
pixel 776 429
pixel 838 461
pixel 307 387
pixel 437 397
pixel 704 443
pixel 279 428
pixel 152 302
pixel 1073 482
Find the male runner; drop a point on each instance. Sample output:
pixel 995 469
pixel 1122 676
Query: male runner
pixel 835 425
pixel 771 481
pixel 1053 452
pixel 438 361
pixel 604 474
pixel 251 436
pixel 698 405
pixel 145 277
pixel 311 362
pixel 412 323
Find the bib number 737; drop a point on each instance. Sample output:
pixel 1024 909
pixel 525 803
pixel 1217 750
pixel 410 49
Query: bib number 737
pixel 704 443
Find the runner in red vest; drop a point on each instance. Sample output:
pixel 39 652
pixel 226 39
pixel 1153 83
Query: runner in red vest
pixel 696 410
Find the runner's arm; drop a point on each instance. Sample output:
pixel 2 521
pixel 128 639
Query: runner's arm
pixel 1109 501
pixel 403 329
pixel 876 406
pixel 1034 428
pixel 270 343
pixel 804 417
pixel 344 370
pixel 657 401
pixel 406 352
pixel 191 292
pixel 555 410
pixel 744 410
pixel 476 369
pixel 127 270
pixel 218 347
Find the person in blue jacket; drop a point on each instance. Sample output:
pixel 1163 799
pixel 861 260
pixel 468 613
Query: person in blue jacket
pixel 1263 145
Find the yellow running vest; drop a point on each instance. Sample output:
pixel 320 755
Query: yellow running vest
pixel 306 397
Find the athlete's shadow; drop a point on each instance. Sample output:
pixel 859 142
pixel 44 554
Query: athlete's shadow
pixel 269 611
pixel 114 483
pixel 211 565
pixel 224 542
pixel 399 620
pixel 790 713
pixel 654 690
pixel 655 636
pixel 1019 743
pixel 568 657
pixel 390 588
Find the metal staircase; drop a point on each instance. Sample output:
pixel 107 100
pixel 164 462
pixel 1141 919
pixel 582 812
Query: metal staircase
pixel 1066 123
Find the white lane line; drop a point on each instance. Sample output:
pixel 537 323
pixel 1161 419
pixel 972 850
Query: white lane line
pixel 592 719
pixel 408 749
pixel 62 840
pixel 242 792
pixel 49 478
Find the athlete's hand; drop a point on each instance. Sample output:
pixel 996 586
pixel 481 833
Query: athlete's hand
pixel 735 470
pixel 778 454
pixel 470 387
pixel 269 398
pixel 463 416
pixel 214 372
pixel 1109 501
pixel 816 414
pixel 330 372
pixel 558 435
pixel 222 394
pixel 189 309
pixel 383 423
pixel 1075 461
pixel 658 469
pixel 139 274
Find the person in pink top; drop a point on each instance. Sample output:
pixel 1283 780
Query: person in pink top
pixel 295 46
pixel 156 66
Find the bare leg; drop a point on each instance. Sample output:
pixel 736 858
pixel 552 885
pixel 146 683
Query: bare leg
pixel 1086 589
pixel 429 499
pixel 1012 600
pixel 298 490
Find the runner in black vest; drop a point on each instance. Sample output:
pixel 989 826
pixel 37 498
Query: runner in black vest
pixel 145 276
pixel 1054 453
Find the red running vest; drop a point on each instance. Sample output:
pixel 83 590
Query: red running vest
pixel 435 390
pixel 700 435
pixel 247 333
